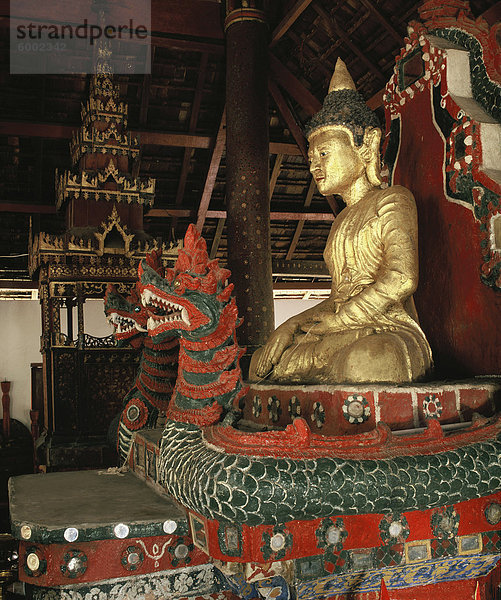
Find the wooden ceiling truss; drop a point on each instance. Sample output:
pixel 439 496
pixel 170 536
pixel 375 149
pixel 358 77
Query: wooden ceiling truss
pixel 178 113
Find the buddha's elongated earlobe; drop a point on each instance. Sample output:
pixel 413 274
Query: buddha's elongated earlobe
pixel 369 151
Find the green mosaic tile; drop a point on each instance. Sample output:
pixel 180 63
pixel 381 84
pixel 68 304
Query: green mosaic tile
pixel 441 548
pixel 491 541
pixel 389 556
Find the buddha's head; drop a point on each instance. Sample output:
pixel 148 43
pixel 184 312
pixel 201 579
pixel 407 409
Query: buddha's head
pixel 344 138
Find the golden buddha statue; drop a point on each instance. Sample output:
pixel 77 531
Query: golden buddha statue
pixel 367 330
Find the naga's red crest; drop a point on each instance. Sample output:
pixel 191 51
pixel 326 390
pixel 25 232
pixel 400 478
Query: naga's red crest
pixel 193 261
pixel 154 260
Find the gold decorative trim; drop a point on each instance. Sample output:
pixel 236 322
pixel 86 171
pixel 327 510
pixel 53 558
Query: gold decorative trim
pixel 244 14
pixel 413 555
pixel 465 540
pixel 114 221
pixel 199 532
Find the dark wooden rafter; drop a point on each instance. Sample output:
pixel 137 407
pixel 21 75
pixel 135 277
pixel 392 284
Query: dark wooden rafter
pixel 217 238
pixel 18 285
pixel 145 94
pixel 302 285
pixel 27 129
pixel 384 22
pixel 59 131
pixel 195 19
pixel 337 43
pixel 288 117
pixel 299 227
pixel 332 202
pixel 322 61
pixel 284 148
pixel 174 43
pixel 275 173
pixel 18 207
pixel 195 109
pixel 294 87
pixel 39 169
pixel 221 214
pixel 145 98
pixel 310 55
pixel 193 26
pixel 376 100
pixel 210 181
pixel 294 268
pixel 288 20
pixel 152 138
pixel 188 152
pixel 332 28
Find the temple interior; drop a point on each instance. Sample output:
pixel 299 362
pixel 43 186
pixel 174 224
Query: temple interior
pixel 121 182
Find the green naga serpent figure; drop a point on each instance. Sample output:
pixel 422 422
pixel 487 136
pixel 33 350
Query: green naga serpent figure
pixel 194 302
pixel 157 368
pixel 273 477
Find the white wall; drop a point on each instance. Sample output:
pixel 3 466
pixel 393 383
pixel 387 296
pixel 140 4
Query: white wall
pixel 95 320
pixel 21 328
pixel 288 307
pixel 20 325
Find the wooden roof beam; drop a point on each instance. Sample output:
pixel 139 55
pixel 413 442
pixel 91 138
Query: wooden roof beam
pixel 294 87
pixel 291 122
pixel 284 148
pixel 59 131
pixel 299 227
pixel 165 41
pixel 210 181
pixel 18 284
pixel 217 238
pixel 153 138
pixel 194 18
pixel 384 22
pixel 333 29
pixel 288 20
pixel 27 208
pixel 291 268
pixel 377 100
pixel 145 98
pixel 221 214
pixel 275 173
pixel 188 152
pixel 319 61
pixel 145 94
pixel 302 285
pixel 336 43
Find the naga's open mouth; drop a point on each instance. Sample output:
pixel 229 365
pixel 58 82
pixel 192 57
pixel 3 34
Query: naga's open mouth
pixel 124 324
pixel 164 311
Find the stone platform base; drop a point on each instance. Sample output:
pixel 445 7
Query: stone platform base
pixel 344 409
pixel 83 527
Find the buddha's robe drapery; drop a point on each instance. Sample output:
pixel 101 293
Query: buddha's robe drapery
pixel 371 254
